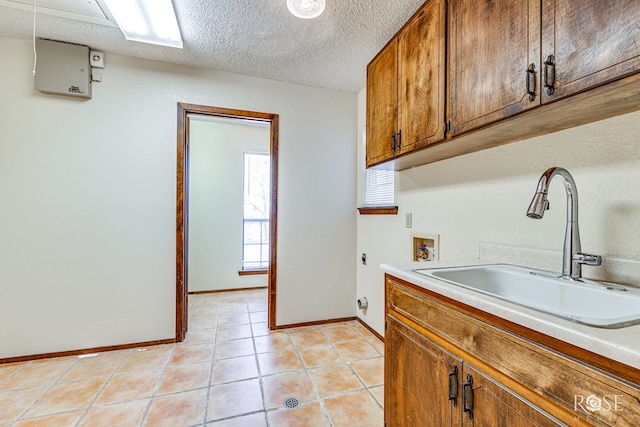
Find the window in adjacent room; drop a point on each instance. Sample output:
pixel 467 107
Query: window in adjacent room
pixel 255 230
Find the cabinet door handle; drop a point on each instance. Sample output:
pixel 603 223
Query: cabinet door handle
pixel 399 139
pixel 550 74
pixel 467 396
pixel 531 82
pixel 453 385
pixel 393 142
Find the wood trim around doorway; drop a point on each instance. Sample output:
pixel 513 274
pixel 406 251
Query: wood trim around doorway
pixel 182 193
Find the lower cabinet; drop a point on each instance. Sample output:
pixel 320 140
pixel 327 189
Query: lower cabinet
pixel 449 364
pixel 428 386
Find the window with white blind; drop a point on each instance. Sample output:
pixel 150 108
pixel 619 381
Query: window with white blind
pixel 379 188
pixel 379 185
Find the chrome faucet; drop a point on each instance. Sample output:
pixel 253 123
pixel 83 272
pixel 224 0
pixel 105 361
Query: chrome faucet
pixel 572 257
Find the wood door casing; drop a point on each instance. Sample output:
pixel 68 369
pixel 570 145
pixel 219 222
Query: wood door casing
pixel 182 208
pixel 491 45
pixel 421 75
pixel 593 42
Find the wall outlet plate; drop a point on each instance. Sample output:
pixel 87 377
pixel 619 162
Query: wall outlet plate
pixel 96 59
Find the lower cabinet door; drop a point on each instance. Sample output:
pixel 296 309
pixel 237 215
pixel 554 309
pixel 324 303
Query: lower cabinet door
pixel 421 380
pixel 485 403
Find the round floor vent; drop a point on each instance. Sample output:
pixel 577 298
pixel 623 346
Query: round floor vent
pixel 291 402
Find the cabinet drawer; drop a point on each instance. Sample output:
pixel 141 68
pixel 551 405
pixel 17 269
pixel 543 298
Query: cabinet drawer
pixel 567 389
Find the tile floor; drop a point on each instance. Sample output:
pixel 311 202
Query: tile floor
pixel 230 371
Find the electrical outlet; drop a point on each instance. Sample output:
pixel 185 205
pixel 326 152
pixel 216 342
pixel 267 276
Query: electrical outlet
pixel 408 220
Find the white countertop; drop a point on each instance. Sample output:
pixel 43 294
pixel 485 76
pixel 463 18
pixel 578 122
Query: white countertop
pixel 622 345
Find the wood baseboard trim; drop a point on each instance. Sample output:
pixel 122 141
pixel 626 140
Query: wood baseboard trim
pixel 370 329
pixel 84 351
pixel 217 291
pixel 316 323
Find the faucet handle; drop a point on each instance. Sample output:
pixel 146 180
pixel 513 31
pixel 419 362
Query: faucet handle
pixel 587 259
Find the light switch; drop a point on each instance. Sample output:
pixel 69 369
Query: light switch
pixel 408 220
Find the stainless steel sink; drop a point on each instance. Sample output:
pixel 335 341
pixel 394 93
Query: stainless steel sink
pixel 599 304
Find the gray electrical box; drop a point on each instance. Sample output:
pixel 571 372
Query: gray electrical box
pixel 63 69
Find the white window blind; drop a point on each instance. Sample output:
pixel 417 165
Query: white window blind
pixel 379 188
pixel 379 185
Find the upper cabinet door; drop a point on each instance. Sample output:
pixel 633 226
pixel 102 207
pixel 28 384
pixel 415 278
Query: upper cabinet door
pixel 494 53
pixel 421 74
pixel 588 42
pixel 382 91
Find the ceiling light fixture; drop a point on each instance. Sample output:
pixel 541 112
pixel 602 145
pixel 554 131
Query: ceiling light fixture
pixel 306 9
pixel 147 21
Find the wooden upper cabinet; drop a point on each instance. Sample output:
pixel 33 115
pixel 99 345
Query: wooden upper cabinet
pixel 494 60
pixel 590 42
pixel 382 91
pixel 421 66
pixel 406 87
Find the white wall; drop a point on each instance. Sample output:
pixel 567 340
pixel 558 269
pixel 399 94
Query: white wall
pixel 216 202
pixel 484 196
pixel 87 225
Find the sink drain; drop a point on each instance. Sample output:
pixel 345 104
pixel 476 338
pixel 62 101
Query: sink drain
pixel 291 402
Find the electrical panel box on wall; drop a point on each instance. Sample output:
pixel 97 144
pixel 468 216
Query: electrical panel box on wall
pixel 62 69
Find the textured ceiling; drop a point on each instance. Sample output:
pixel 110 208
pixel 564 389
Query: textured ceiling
pixel 257 38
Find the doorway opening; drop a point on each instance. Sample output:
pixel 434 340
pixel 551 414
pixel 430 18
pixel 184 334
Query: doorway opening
pixel 182 204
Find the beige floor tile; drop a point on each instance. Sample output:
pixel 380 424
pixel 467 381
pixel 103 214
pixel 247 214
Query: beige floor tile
pixel 279 361
pixel 67 397
pixel 307 336
pixel 10 369
pixel 121 414
pixel 370 371
pixel 184 378
pixel 95 366
pixel 255 306
pixel 238 368
pixel 258 316
pixel 68 419
pixel 319 355
pixel 309 415
pixel 340 332
pixel 191 354
pixel 275 341
pixel 38 373
pixel 234 348
pixel 202 321
pixel 356 350
pixel 233 332
pixel 233 319
pixel 253 420
pixel 181 409
pixel 289 384
pixel 356 409
pixel 146 359
pixel 334 379
pixel 378 345
pixel 238 398
pixel 129 386
pixel 378 394
pixel 200 336
pixel 14 402
pixel 366 333
pixel 260 329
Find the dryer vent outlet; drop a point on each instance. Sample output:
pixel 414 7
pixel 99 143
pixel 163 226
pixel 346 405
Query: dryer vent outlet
pixel 363 303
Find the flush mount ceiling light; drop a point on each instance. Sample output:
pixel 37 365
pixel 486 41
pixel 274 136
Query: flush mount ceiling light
pixel 306 9
pixel 146 21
